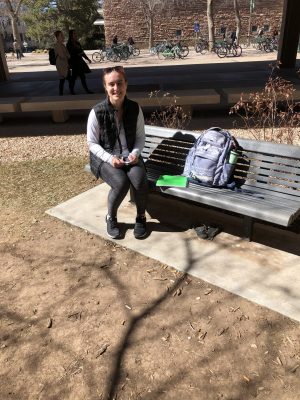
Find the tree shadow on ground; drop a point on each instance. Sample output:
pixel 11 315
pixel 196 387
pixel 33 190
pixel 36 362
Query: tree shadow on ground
pixel 99 271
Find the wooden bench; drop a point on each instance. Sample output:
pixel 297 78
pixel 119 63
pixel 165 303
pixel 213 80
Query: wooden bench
pixel 188 99
pixel 60 106
pixel 267 174
pixel 233 95
pixel 9 105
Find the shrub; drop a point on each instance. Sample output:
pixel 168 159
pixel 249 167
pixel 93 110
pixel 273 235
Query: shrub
pixel 272 114
pixel 168 114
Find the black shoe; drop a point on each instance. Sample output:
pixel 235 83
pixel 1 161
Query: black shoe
pixel 201 231
pixel 213 231
pixel 113 230
pixel 140 229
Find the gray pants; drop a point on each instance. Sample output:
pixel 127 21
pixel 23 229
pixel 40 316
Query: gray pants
pixel 119 180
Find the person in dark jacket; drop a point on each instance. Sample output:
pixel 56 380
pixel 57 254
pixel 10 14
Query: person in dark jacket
pixel 115 40
pixel 233 37
pixel 116 137
pixel 77 65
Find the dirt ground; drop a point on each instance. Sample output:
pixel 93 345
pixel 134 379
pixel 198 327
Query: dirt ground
pixel 83 318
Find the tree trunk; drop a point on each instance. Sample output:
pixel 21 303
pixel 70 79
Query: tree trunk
pixel 150 32
pixel 237 20
pixel 15 30
pixel 13 14
pixel 210 23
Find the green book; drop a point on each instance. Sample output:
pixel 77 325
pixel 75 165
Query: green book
pixel 172 180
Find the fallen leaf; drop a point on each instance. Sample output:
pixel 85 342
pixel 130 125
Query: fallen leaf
pixel 102 350
pixel 294 369
pixel 49 323
pixel 223 330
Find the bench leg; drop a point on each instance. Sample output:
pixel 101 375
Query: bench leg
pixel 60 115
pixel 248 228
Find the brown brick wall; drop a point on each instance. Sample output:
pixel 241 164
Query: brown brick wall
pixel 125 18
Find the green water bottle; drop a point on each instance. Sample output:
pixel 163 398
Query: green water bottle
pixel 233 156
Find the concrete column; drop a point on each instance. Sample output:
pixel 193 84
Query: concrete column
pixel 4 75
pixel 289 34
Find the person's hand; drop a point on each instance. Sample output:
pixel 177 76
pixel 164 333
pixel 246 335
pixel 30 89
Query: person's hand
pixel 117 162
pixel 133 159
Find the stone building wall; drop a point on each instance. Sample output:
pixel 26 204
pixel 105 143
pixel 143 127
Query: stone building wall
pixel 125 18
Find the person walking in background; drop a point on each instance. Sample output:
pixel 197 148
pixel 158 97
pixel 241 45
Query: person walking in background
pixel 25 45
pixel 116 137
pixel 233 37
pixel 115 40
pixel 17 49
pixel 260 32
pixel 130 41
pixel 62 61
pixel 275 34
pixel 77 64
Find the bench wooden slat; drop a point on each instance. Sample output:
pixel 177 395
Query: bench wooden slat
pixel 272 188
pixel 241 204
pixel 283 170
pixel 260 179
pixel 267 198
pixel 275 193
pixel 274 178
pixel 270 149
pixel 269 160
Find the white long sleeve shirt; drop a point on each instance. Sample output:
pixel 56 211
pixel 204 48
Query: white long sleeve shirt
pixel 93 132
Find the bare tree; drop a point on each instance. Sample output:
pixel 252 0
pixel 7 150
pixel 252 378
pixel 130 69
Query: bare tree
pixel 210 23
pixel 150 9
pixel 237 20
pixel 13 10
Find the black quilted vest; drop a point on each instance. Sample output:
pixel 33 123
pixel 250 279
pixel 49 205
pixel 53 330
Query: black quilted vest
pixel 108 133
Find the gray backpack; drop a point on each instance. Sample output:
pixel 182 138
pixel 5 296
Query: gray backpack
pixel 207 162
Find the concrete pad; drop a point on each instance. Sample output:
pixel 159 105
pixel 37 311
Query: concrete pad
pixel 9 104
pixel 262 274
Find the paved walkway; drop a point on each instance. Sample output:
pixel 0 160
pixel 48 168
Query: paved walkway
pixel 259 272
pixel 33 76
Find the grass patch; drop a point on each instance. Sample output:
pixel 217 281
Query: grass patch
pixel 29 188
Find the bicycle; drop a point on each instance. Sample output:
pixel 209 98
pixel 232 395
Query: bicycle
pixel 159 47
pixel 201 46
pixel 258 43
pixel 229 49
pixel 182 49
pixel 117 53
pixel 98 56
pixel 270 44
pixel 244 42
pixel 170 52
pixel 133 51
